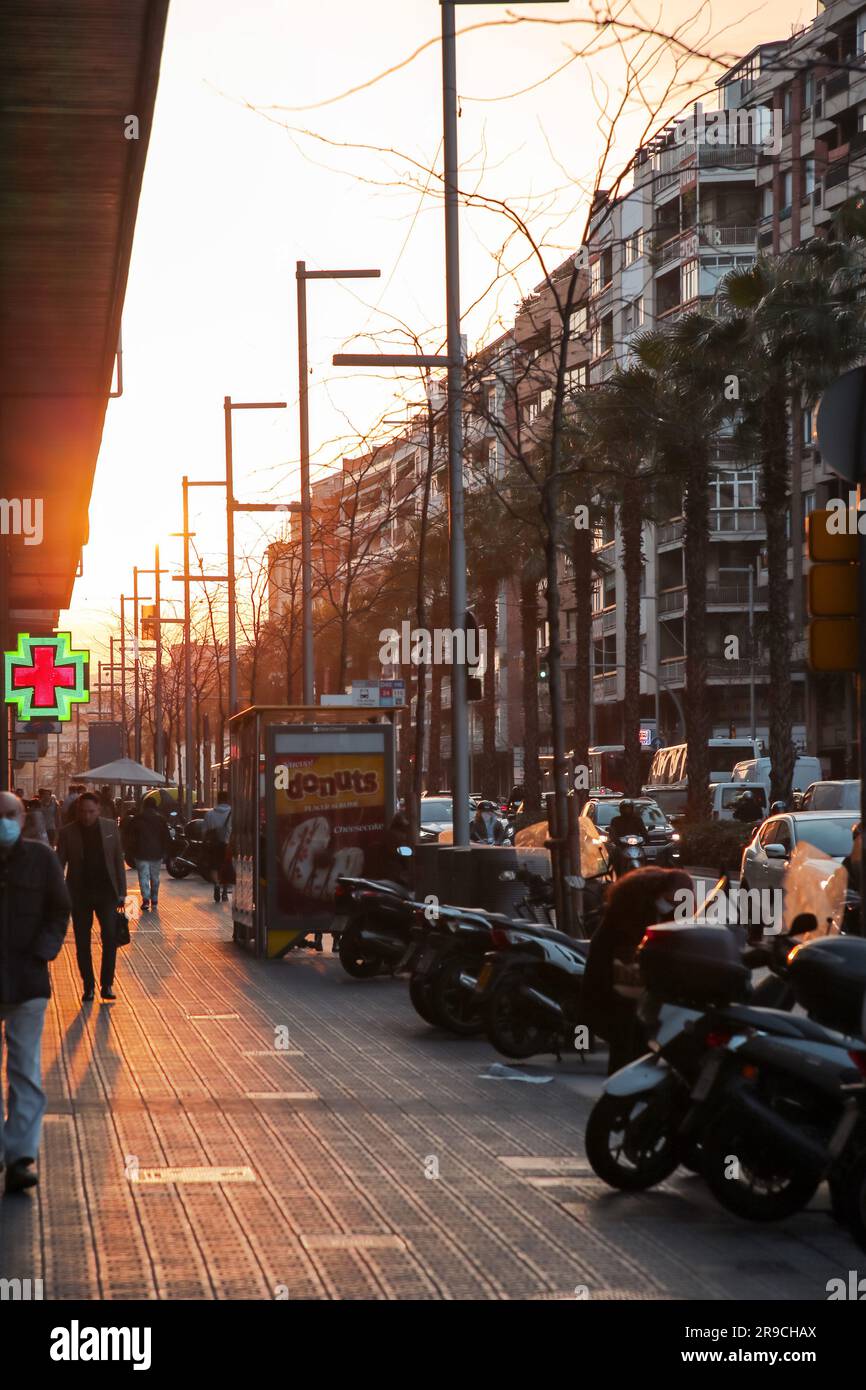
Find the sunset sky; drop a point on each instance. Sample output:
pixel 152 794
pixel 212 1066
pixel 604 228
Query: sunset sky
pixel 231 199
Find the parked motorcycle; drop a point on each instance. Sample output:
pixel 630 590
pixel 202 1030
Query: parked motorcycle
pixel 379 917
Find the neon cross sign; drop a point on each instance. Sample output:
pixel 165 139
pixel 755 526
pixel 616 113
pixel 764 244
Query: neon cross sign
pixel 45 677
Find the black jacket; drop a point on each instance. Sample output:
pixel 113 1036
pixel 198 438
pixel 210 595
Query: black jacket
pixel 149 836
pixel 70 848
pixel 34 912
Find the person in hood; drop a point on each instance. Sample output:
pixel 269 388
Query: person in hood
pixel 608 1001
pixel 486 827
pixel 34 913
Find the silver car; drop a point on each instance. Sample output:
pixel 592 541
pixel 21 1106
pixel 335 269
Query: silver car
pixel 768 853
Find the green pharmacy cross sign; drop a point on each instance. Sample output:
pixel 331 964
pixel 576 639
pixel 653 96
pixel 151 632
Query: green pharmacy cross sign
pixel 45 677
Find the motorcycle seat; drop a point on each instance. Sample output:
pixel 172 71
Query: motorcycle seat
pixel 779 1022
pixel 523 924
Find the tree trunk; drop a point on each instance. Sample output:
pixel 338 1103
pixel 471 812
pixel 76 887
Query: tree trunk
pixel 697 710
pixel 529 644
pixel 434 771
pixel 775 479
pixel 631 525
pixel 489 778
pixel 581 554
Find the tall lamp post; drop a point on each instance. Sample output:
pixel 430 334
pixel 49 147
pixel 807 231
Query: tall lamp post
pixel 302 275
pixel 231 507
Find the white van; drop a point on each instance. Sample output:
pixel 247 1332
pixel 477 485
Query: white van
pixel 724 797
pixel 806 771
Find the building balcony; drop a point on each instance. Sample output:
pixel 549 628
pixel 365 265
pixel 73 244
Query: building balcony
pixel 672 601
pixel 715 236
pixel 670 532
pixel 604 686
pixel 734 596
pixel 605 621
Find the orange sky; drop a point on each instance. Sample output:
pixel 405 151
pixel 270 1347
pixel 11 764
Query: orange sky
pixel 231 200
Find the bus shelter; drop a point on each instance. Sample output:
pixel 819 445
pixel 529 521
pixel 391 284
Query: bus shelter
pixel 313 792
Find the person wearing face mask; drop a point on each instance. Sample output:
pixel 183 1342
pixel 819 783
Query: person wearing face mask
pixel 34 912
pixel 634 903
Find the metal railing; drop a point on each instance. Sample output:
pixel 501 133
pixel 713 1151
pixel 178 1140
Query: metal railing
pixel 731 595
pixel 672 600
pixel 671 531
pixel 836 174
pixel 712 235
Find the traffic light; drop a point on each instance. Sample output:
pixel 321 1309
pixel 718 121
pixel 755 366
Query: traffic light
pixel 148 622
pixel 832 593
pixel 543 669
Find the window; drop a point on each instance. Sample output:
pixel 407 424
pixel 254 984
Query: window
pixel 634 247
pixel 530 410
pixel 733 501
pixel 571 625
pixel 861 33
pixel 633 315
pixel 602 336
pixel 577 322
pixel 787 186
pixel 491 458
pixel 601 271
pixel 808 91
pixel 808 176
pixel 767 201
pixel 689 281
pixel 808 426
pixel 786 106
pixel 545 399
pixel 491 403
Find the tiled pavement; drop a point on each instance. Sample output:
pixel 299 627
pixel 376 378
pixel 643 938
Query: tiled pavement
pixel 338 1102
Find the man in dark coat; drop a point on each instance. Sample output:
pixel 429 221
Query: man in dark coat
pixel 34 912
pixel 91 851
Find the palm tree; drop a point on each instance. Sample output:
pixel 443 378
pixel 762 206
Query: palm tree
pixel 795 322
pixel 686 360
pixel 616 417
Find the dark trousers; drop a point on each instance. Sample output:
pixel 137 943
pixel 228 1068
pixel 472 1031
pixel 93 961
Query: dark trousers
pixel 84 905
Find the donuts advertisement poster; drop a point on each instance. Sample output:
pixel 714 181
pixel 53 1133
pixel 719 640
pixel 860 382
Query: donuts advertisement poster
pixel 330 810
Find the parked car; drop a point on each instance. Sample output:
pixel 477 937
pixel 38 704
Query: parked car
pixel 662 840
pixel 832 796
pixel 768 853
pixel 437 816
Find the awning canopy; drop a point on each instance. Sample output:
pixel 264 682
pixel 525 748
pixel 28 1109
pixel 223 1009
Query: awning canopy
pixel 124 771
pixel 70 77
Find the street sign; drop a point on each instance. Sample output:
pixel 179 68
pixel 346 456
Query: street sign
pixel 26 749
pixel 392 694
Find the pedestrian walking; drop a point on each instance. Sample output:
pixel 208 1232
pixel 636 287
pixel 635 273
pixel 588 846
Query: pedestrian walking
pixel 91 851
pixel 34 823
pixel 50 808
pixel 107 806
pixel 34 912
pixel 151 842
pixel 67 810
pixel 216 841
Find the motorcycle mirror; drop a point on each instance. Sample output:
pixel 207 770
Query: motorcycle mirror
pixel 802 923
pixel 507 876
pixel 405 851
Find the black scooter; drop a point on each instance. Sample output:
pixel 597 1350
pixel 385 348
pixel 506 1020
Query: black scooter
pixel 380 915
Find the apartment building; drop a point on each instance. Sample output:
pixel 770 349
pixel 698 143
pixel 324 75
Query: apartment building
pixel 764 167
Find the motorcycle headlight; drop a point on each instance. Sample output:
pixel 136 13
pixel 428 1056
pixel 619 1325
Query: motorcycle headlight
pixel 675 836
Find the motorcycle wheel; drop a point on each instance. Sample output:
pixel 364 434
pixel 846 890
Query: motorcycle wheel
pixel 177 870
pixel 764 1187
pixel 419 994
pixel 353 958
pixel 454 1007
pixel 628 1145
pixel 508 1028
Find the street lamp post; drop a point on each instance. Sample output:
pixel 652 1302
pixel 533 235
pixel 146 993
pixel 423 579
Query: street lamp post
pixel 302 275
pixel 231 507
